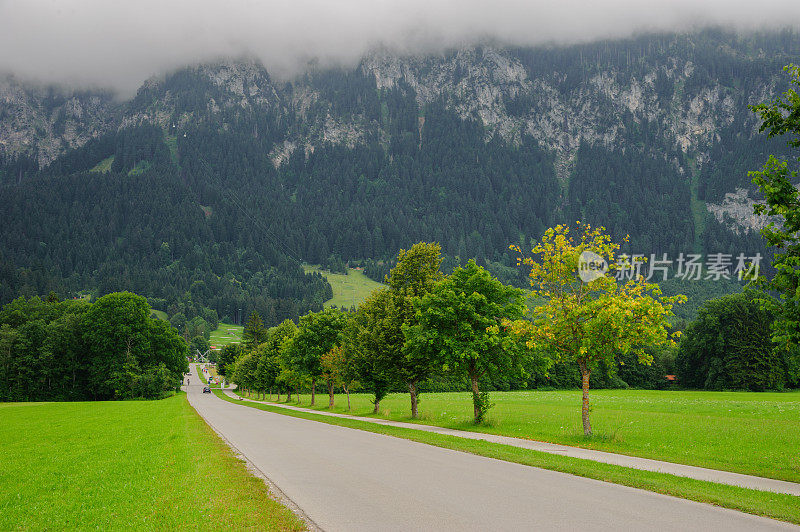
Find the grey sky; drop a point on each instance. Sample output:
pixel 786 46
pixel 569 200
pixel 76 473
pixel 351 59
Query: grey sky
pixel 121 43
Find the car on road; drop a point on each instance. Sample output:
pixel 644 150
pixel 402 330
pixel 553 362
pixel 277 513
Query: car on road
pixel 206 389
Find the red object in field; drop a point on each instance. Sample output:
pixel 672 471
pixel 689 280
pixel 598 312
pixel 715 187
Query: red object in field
pixel 670 377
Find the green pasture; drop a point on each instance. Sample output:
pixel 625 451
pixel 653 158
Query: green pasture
pixel 745 432
pixel 348 290
pixel 172 143
pixel 226 334
pixel 160 314
pixel 103 166
pixel 140 168
pixel 126 465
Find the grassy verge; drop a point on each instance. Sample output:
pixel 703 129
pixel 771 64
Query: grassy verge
pixel 773 505
pixel 348 290
pixel 125 465
pixel 743 432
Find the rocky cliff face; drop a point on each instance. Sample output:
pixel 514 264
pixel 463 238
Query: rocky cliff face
pixel 483 83
pixel 735 211
pixel 580 98
pixel 44 122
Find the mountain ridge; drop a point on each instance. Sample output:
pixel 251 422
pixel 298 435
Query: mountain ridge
pixel 475 148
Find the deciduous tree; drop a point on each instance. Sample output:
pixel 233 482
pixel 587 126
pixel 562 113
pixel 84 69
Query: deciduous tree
pixel 269 357
pixel 729 346
pixel 374 341
pixel 317 333
pixel 776 181
pixel 415 275
pixel 338 369
pixel 460 326
pixel 590 322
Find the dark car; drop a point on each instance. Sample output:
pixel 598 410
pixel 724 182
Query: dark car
pixel 206 389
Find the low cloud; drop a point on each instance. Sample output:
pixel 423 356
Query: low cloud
pixel 119 44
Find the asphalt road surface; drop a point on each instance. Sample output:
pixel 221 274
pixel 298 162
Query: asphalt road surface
pixel 346 479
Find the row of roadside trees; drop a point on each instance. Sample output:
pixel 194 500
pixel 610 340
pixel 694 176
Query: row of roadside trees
pixel 465 325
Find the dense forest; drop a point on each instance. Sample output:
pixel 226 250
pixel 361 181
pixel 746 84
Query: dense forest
pixel 196 211
pixel 78 351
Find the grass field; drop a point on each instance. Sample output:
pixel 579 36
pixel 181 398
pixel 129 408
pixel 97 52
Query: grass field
pixel 140 168
pixel 348 290
pixel 172 143
pixel 775 505
pixel 127 465
pixel 159 314
pixel 753 433
pixel 226 334
pixel 103 166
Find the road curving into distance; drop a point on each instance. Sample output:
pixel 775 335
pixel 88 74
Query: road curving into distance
pixel 347 479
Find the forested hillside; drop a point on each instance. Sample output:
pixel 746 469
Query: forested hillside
pixel 210 187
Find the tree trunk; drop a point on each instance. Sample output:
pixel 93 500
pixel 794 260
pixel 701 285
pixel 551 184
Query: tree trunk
pixel 313 390
pixel 279 395
pixel 288 394
pixel 412 390
pixel 297 395
pixel 347 391
pixel 585 373
pixel 377 406
pixel 476 397
pixel 330 394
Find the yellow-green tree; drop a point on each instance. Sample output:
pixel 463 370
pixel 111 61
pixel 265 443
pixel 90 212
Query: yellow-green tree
pixel 597 319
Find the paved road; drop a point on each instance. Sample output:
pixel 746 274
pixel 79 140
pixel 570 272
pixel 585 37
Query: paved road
pixel 635 462
pixel 345 479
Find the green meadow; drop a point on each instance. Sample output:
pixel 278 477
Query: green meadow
pixel 103 166
pixel 160 314
pixel 226 334
pixel 125 465
pixel 752 433
pixel 348 290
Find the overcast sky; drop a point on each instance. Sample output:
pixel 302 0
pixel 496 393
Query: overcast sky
pixel 119 44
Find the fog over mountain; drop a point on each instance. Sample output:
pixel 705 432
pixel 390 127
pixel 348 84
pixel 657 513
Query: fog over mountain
pixel 118 45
